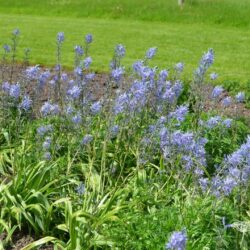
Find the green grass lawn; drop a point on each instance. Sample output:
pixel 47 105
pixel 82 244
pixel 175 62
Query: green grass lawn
pixel 180 35
pixel 223 12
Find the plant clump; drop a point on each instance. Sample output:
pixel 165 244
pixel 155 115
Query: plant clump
pixel 125 170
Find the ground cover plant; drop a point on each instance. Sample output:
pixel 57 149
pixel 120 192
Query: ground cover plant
pixel 151 163
pixel 180 34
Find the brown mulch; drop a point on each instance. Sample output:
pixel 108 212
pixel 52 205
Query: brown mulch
pixel 235 110
pixel 99 84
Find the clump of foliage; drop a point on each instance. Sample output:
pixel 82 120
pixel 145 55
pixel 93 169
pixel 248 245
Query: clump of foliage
pixel 141 167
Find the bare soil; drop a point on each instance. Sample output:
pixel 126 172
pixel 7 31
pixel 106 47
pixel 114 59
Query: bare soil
pixel 99 84
pixel 22 239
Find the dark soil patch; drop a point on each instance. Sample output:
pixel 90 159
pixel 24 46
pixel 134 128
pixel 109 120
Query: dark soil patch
pixel 22 239
pixel 235 110
pixel 97 88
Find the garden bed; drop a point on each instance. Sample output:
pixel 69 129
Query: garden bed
pixel 122 161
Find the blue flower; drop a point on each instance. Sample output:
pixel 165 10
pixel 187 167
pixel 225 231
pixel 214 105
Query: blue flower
pixel 47 143
pixel 64 77
pixel 146 73
pixel 26 103
pixel 117 73
pixel 169 95
pixel 240 97
pixel 46 108
pixel 49 109
pixel 227 123
pixel 96 107
pixel 78 50
pixel 204 182
pixel 246 173
pixel 151 53
pixel 183 140
pixel 180 113
pixel 69 110
pixel 6 48
pixel 43 78
pixel 60 37
pixel 213 122
pixel 177 241
pixel 89 38
pixel 32 72
pixel 213 76
pixel 90 76
pixel 16 32
pixel 6 87
pixel 206 61
pixel 120 50
pixel 52 82
pixel 179 67
pixel 47 156
pixel 228 185
pixel 177 88
pixel 114 130
pixel 121 103
pixel 87 139
pixel 235 158
pixel 217 91
pixel 74 92
pixel 15 90
pixel 78 71
pixel 76 119
pixel 80 189
pixel 208 58
pixel 137 66
pixel 44 129
pixel 236 170
pixel 87 61
pixel 227 101
pixel 164 137
pixel 163 75
pixel 188 162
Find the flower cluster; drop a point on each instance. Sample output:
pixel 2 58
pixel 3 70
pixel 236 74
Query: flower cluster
pixel 192 149
pixel 49 109
pixel 217 91
pixel 177 241
pixel 217 121
pixel 13 90
pixel 42 130
pixel 22 102
pixel 26 103
pixel 233 171
pixel 206 61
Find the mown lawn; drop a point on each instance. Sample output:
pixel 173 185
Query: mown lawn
pixel 223 12
pixel 180 34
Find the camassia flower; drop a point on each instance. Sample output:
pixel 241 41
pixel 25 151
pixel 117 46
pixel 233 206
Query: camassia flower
pixel 49 109
pixel 151 53
pixel 217 91
pixel 89 38
pixel 26 103
pixel 177 241
pixel 60 37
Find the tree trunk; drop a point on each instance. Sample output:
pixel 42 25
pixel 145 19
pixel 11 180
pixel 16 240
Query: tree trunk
pixel 180 2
